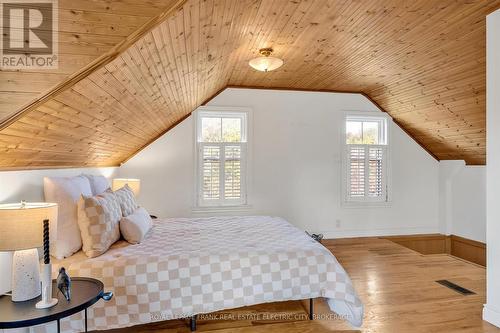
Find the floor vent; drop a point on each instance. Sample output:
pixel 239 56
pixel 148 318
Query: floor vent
pixel 455 287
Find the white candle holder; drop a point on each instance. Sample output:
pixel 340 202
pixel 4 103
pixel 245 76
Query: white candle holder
pixel 47 300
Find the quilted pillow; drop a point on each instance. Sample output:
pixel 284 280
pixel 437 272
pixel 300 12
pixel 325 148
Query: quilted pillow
pixel 98 218
pixel 127 201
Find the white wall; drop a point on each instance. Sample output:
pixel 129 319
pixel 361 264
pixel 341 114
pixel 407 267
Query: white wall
pixel 296 167
pixel 28 185
pixel 447 172
pixel 491 310
pixel 468 212
pixel 462 197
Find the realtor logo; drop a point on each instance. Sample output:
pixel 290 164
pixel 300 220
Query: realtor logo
pixel 29 34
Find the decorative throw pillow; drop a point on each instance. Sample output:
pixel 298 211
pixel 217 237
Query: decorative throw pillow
pixel 64 233
pixel 98 219
pixel 98 184
pixel 127 200
pixel 134 227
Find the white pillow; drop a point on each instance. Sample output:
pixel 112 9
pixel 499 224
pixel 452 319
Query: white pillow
pixel 135 226
pixel 65 234
pixel 98 184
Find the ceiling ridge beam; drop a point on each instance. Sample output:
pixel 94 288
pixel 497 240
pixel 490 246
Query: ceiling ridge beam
pixel 101 61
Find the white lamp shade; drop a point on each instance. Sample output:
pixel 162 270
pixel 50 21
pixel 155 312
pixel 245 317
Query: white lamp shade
pixel 21 224
pixel 134 184
pixel 265 64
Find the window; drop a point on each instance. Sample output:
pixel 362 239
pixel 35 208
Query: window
pixel 221 143
pixel 366 159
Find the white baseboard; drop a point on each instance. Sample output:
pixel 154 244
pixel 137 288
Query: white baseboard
pixel 491 315
pixel 377 232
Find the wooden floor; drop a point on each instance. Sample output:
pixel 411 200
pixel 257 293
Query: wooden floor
pixel 397 286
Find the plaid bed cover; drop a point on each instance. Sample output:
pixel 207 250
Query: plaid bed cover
pixel 189 266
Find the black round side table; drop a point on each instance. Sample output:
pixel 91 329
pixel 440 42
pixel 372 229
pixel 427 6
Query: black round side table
pixel 84 293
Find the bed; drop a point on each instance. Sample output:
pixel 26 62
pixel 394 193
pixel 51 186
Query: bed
pixel 189 266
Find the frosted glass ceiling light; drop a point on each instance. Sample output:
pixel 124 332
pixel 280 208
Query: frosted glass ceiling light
pixel 265 63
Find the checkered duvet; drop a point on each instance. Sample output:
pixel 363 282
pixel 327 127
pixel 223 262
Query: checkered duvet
pixel 188 266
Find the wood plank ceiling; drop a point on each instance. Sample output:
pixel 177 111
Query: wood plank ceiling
pixel 422 61
pixel 87 29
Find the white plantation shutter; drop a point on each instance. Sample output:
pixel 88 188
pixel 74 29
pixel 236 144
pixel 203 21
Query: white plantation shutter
pixel 221 172
pixel 232 172
pixel 221 143
pixel 376 175
pixel 221 168
pixel 356 171
pixel 366 172
pixel 210 169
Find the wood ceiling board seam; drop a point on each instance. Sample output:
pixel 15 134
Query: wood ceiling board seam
pixel 165 65
pixel 164 62
pixel 354 11
pixel 180 47
pixel 170 57
pixel 145 71
pixel 406 47
pixel 88 122
pixel 178 57
pixel 166 88
pixel 129 103
pixel 136 94
pixel 155 117
pixel 122 128
pixel 214 46
pixel 229 38
pixel 222 45
pixel 57 133
pixel 191 24
pixel 456 106
pixel 105 102
pixel 117 7
pixel 135 75
pixel 52 166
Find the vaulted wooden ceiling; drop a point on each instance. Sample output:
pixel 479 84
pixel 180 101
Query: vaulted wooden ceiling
pixel 130 70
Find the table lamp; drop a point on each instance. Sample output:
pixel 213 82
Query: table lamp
pixel 21 230
pixel 134 184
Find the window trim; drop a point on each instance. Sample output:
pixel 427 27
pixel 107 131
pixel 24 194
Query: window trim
pixel 382 137
pixel 244 113
pixel 224 113
pixel 386 137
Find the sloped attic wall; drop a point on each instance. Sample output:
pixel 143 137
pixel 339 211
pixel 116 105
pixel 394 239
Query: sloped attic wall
pixel 295 169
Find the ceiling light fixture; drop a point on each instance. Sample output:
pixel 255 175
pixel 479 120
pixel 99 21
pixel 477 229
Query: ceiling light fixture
pixel 265 63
